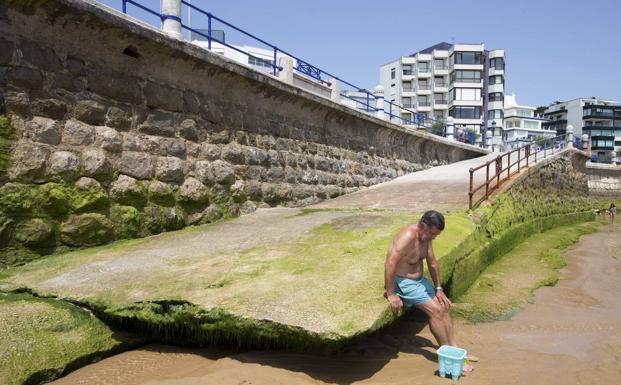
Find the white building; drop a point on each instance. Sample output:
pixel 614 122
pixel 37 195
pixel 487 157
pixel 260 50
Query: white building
pixel 599 119
pixel 521 125
pixel 464 81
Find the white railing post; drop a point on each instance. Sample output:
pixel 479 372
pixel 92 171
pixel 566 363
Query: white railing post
pixel 488 139
pixel 286 75
pixel 613 157
pixel 171 18
pixel 378 92
pixel 570 136
pixel 585 143
pixel 450 128
pixel 335 93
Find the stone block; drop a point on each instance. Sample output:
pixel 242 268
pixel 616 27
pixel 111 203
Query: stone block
pixel 108 139
pixel 204 172
pixel 43 130
pixel 255 156
pixel 6 52
pixel 161 194
pixel 40 57
pixel 276 174
pixel 164 97
pixel 209 215
pixel 51 108
pixel 223 172
pixel 77 133
pixel 53 198
pixel 126 221
pixel 65 164
pixel 160 123
pixel 119 118
pixel 75 65
pixel 86 230
pixel 191 102
pixel 95 163
pixel 17 103
pixel 115 85
pixel 193 193
pixel 126 190
pixel 171 147
pixel 67 82
pixel 233 153
pixel 22 77
pixel 28 162
pixel 220 137
pixel 36 232
pixel 88 196
pixel 169 169
pixel 173 218
pixel 209 151
pixel 188 130
pixel 136 164
pixel 90 111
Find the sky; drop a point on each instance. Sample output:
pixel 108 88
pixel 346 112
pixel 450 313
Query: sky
pixel 555 50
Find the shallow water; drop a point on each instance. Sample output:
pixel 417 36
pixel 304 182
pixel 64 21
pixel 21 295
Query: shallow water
pixel 570 334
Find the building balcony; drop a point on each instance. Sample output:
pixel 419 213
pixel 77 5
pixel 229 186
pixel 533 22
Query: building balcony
pixel 424 73
pixel 496 71
pixel 408 73
pixel 495 88
pixel 424 104
pixel 440 101
pixel 424 87
pixel 407 89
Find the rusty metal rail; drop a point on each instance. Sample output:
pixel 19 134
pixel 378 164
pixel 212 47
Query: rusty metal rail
pixel 504 168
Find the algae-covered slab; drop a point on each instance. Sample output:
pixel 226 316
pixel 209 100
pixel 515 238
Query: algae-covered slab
pixel 283 276
pixel 43 338
pixel 508 283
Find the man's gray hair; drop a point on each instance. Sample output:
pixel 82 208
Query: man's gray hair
pixel 433 218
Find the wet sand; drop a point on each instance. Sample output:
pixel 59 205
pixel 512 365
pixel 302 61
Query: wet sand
pixel 570 334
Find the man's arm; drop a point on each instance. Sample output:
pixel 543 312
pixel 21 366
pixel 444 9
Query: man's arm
pixel 434 271
pixel 395 253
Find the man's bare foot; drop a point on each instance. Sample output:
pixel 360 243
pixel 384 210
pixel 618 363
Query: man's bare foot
pixel 467 369
pixel 472 358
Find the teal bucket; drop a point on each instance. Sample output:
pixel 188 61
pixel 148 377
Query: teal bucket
pixel 451 361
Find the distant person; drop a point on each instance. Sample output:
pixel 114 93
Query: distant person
pixel 405 284
pixel 613 212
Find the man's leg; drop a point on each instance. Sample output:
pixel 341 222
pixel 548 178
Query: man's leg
pixel 439 321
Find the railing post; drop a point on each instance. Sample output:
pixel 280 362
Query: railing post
pixel 335 93
pixel 470 191
pixel 124 6
pixel 487 180
pixel 585 143
pixel 613 157
pixel 171 18
pixel 569 140
pixel 488 140
pixel 286 75
pixel 378 92
pixel 275 64
pixel 450 128
pixel 209 31
pixel 508 164
pixel 368 101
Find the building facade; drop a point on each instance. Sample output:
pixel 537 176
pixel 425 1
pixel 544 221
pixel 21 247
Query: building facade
pixel 464 81
pixel 599 119
pixel 521 125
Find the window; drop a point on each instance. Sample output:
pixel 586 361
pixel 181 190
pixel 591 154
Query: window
pixel 423 66
pixel 439 64
pixel 465 76
pixel 617 123
pixel 255 61
pixel 495 114
pixel 468 94
pixel 393 72
pixel 530 124
pixel 467 58
pixel 463 112
pixel 407 86
pixel 496 79
pixel 407 70
pixel 497 63
pixel 496 97
pixel 525 113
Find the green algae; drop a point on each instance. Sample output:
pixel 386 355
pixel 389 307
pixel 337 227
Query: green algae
pixel 507 284
pixel 7 137
pixel 126 221
pixel 43 339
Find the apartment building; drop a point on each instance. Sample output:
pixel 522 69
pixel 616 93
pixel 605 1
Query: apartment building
pixel 464 81
pixel 521 125
pixel 599 118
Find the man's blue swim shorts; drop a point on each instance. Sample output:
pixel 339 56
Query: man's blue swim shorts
pixel 413 291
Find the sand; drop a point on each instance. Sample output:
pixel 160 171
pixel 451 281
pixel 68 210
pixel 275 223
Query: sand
pixel 570 334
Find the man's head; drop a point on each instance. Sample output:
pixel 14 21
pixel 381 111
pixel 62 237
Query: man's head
pixel 431 225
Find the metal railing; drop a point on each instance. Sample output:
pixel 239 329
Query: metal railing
pixel 509 164
pixel 303 67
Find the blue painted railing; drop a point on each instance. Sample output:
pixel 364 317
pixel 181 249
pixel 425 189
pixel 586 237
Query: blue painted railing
pixel 368 104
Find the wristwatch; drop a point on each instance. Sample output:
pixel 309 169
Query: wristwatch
pixel 439 288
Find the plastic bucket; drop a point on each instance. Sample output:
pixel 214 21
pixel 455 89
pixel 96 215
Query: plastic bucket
pixel 451 361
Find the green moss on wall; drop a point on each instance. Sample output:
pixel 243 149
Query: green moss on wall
pixel 7 136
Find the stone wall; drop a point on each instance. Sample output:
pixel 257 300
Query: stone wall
pixel 604 180
pixel 109 129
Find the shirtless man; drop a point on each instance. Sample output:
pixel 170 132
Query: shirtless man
pixel 405 284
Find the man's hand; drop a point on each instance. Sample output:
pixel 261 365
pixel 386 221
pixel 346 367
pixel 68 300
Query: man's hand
pixel 443 299
pixel 396 304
